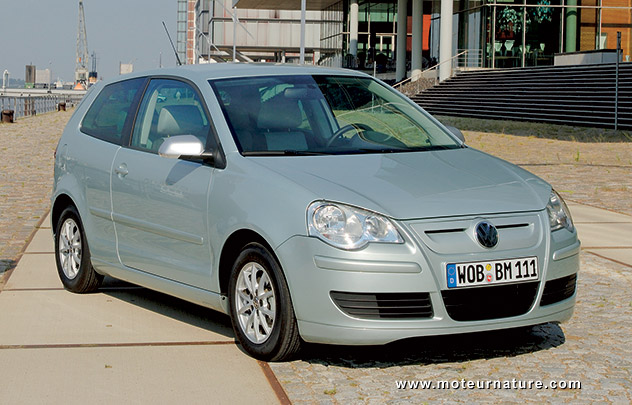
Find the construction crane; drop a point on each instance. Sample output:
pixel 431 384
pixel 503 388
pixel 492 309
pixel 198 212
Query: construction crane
pixel 81 67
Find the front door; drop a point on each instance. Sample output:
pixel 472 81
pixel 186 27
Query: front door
pixel 160 205
pixel 108 122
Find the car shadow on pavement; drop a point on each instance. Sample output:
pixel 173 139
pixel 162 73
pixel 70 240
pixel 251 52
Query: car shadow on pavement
pixel 439 349
pixel 168 306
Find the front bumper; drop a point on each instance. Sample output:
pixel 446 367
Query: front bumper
pixel 314 270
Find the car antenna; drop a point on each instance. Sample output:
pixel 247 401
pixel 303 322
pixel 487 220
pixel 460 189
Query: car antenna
pixel 174 48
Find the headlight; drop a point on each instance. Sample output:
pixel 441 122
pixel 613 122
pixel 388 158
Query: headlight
pixel 347 227
pixel 559 215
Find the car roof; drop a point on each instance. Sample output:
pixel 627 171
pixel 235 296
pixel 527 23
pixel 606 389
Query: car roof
pixel 210 71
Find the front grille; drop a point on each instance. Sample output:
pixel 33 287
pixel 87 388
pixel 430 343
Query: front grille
pixel 477 304
pixel 558 290
pixel 384 305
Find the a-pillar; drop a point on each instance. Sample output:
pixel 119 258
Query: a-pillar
pixel 353 27
pixel 445 40
pixel 416 58
pixel 402 32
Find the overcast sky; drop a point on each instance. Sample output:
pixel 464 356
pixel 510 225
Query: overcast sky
pixel 45 31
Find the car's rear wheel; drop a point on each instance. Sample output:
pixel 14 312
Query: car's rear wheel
pixel 73 255
pixel 260 306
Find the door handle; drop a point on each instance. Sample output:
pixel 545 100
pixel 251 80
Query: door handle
pixel 121 170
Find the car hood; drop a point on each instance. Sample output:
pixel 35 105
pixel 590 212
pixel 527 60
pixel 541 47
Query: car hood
pixel 416 185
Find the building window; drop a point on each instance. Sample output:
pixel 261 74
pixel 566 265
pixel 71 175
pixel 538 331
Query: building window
pixel 531 32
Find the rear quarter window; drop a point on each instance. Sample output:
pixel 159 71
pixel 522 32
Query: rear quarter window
pixel 110 114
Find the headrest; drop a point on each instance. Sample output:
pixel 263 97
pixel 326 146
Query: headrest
pixel 179 120
pixel 239 118
pixel 280 113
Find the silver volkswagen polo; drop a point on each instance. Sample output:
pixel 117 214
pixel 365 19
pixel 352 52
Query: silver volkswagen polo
pixel 309 204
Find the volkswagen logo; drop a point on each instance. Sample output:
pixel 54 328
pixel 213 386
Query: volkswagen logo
pixel 486 234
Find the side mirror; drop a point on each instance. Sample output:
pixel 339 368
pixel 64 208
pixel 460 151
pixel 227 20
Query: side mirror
pixel 457 132
pixel 182 146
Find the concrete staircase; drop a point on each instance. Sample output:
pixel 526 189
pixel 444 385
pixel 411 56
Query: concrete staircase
pixel 572 95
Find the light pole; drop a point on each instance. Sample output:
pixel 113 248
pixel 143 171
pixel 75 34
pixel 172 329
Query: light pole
pixel 234 34
pixel 50 76
pixel 616 84
pixel 302 50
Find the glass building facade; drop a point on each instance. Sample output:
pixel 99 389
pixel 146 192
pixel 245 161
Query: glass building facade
pixel 377 31
pixel 516 33
pixel 493 33
pixel 499 33
pixel 331 35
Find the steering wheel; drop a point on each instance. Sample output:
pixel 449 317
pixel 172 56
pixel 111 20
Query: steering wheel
pixel 347 128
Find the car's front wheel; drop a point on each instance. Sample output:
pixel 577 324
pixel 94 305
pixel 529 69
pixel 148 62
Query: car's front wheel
pixel 73 255
pixel 260 306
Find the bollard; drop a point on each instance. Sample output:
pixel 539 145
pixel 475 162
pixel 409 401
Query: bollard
pixel 61 106
pixel 7 116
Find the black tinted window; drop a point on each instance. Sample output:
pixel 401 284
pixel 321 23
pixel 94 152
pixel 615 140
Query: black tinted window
pixel 109 112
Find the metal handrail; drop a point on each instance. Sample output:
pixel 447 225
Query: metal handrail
pixel 435 67
pixel 472 59
pixel 30 105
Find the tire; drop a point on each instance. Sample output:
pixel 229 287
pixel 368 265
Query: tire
pixel 72 254
pixel 265 327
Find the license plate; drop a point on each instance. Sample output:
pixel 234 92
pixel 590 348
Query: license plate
pixel 491 272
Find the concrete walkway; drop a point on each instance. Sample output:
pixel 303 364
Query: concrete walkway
pixel 124 344
pixel 604 233
pixel 127 343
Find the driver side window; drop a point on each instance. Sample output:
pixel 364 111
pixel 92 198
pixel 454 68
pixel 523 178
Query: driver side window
pixel 169 108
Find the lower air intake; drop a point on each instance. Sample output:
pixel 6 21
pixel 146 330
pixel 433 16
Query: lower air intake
pixel 482 303
pixel 384 305
pixel 558 290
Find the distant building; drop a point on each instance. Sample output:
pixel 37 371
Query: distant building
pixel 42 78
pixel 264 35
pixel 125 68
pixel 29 77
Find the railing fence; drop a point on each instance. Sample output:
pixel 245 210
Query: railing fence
pixel 463 60
pixel 26 106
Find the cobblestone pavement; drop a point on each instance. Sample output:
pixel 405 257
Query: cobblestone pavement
pixel 594 347
pixel 26 178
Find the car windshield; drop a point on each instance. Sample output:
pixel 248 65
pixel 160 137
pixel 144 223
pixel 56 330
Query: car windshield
pixel 318 114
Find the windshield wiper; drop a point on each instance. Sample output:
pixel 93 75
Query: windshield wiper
pixel 378 150
pixel 288 152
pixel 403 150
pixel 437 147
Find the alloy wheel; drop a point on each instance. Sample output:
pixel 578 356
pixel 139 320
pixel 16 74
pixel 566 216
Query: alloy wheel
pixel 255 302
pixel 70 248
